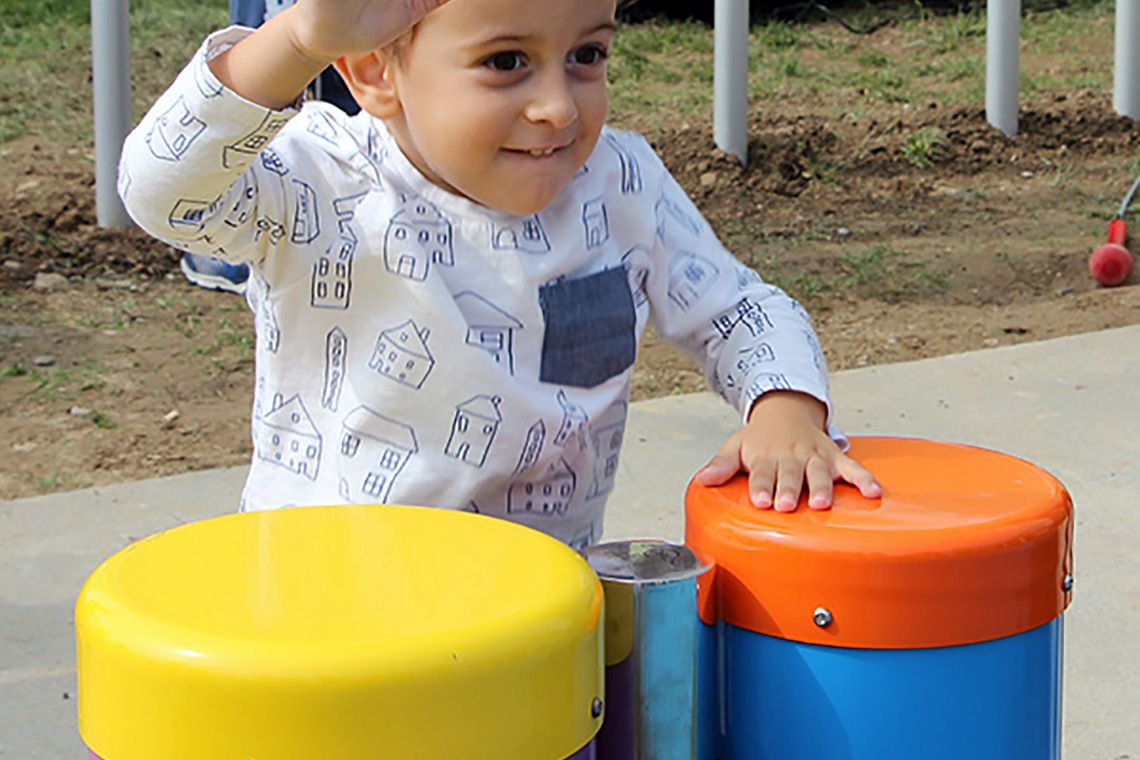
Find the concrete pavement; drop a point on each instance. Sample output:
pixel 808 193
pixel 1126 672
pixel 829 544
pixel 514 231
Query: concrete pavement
pixel 1070 405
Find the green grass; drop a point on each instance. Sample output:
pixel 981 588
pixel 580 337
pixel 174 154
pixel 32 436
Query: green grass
pixel 58 482
pixel 45 52
pixel 15 369
pixel 102 421
pixel 924 147
pixel 658 70
pixel 888 271
pixel 951 33
pixel 57 383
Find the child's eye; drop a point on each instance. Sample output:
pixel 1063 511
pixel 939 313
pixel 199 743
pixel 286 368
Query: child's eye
pixel 588 55
pixel 508 60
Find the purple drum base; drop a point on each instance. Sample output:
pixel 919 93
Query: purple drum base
pixel 586 753
pixel 589 752
pixel 615 738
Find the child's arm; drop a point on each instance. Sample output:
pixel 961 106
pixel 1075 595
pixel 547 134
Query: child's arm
pixel 206 170
pixel 759 352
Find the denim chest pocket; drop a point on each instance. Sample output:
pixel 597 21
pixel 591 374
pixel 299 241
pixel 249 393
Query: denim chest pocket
pixel 590 328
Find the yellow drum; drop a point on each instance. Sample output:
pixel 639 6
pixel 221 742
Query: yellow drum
pixel 341 632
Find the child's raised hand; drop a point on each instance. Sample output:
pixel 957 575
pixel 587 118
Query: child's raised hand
pixel 273 65
pixel 324 30
pixel 783 445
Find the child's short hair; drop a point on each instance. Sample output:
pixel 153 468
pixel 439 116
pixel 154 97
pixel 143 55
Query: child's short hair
pixel 397 47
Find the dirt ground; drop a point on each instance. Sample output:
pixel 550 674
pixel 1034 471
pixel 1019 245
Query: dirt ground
pixel 116 369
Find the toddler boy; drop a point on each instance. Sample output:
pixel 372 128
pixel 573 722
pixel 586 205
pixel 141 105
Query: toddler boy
pixel 449 287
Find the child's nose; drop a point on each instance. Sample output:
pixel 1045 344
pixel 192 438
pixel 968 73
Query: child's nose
pixel 553 102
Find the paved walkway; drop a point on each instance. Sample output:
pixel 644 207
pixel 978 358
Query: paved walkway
pixel 1071 405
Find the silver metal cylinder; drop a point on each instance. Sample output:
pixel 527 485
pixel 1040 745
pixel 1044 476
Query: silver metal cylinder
pixel 730 77
pixel 1003 61
pixel 111 73
pixel 651 649
pixel 1126 65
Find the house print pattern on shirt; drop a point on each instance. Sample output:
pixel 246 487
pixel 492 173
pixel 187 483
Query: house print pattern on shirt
pixel 690 278
pixel 306 213
pixel 270 229
pixel 574 419
pixel 606 435
pixel 373 451
pixel 321 126
pixel 336 367
pixel 668 212
pixel 631 183
pixel 287 437
pixel 596 223
pixel 637 274
pixel 489 328
pixel 402 354
pixel 332 271
pixel 241 210
pixel 532 446
pixel 525 234
pixel 419 237
pixel 473 429
pixel 745 312
pixel 174 132
pixel 548 493
pixel 265 320
pixel 271 161
pixel 245 148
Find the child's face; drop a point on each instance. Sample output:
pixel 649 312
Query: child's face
pixel 502 101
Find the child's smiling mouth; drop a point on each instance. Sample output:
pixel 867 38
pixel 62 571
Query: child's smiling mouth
pixel 544 152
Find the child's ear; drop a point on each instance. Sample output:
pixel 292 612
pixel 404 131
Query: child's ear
pixel 370 78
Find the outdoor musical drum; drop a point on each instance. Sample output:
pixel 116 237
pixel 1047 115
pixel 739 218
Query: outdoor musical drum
pixel 925 624
pixel 341 632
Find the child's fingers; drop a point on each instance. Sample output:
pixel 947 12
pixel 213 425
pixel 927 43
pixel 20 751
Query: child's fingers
pixel 723 466
pixel 820 482
pixel 789 483
pixel 761 482
pixel 859 476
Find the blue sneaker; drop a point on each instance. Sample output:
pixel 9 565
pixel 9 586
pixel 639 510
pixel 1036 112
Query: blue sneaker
pixel 208 272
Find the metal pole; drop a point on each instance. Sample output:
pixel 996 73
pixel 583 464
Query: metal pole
pixel 1003 35
pixel 111 69
pixel 730 77
pixel 652 631
pixel 1126 80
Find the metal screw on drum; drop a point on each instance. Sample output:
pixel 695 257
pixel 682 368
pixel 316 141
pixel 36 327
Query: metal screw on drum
pixel 596 708
pixel 1067 584
pixel 822 617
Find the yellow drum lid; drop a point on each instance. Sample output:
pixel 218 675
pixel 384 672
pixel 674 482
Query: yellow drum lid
pixel 345 632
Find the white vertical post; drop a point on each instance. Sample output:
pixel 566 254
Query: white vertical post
pixel 1126 80
pixel 1003 69
pixel 730 77
pixel 111 70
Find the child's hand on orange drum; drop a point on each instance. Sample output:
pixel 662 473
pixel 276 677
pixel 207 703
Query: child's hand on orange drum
pixel 784 445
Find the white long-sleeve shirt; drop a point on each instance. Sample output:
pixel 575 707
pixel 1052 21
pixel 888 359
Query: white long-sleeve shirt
pixel 415 347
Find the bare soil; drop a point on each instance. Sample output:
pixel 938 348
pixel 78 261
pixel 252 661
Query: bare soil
pixel 119 370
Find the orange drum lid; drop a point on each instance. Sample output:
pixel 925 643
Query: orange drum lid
pixel 965 545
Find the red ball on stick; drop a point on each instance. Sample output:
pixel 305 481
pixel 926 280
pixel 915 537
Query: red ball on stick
pixel 1110 264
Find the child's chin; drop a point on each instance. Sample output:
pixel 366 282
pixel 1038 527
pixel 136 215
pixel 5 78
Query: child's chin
pixel 523 206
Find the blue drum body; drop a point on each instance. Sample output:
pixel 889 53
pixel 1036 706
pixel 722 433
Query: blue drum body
pixel 765 698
